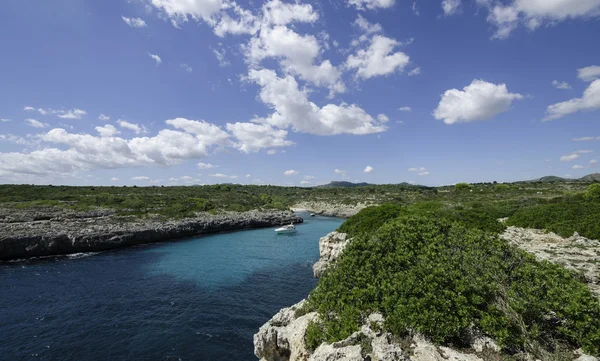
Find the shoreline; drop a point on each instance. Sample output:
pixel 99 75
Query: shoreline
pixel 60 236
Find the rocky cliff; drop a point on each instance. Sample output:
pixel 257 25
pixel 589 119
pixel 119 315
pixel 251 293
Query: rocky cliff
pixel 37 234
pixel 331 209
pixel 283 337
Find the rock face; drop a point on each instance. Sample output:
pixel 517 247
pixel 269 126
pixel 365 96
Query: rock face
pixel 576 253
pixel 330 248
pixel 38 234
pixel 332 209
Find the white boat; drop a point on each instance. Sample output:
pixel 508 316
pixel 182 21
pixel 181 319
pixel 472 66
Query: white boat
pixel 312 214
pixel 290 228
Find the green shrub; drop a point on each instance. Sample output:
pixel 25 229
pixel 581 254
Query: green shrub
pixel 370 219
pixel 593 191
pixel 562 216
pixel 462 186
pixel 439 277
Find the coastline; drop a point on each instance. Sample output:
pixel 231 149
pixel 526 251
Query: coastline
pixel 58 235
pixel 338 210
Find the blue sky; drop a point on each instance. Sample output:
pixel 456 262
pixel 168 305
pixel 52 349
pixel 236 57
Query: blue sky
pixel 160 92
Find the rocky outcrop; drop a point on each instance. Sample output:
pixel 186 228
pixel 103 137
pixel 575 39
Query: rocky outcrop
pixel 331 209
pixel 330 248
pixel 35 235
pixel 575 253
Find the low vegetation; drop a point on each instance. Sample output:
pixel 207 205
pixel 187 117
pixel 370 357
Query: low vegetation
pixel 445 273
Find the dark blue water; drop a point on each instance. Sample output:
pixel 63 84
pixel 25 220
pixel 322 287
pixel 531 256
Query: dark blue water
pixel 196 299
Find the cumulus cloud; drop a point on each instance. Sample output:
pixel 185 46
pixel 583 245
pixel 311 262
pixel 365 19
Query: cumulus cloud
pixel 561 85
pixel 180 11
pixel 293 109
pixel 368 169
pixel 589 73
pixel 478 101
pixel 371 4
pixel 141 178
pixel 131 126
pixel 114 179
pixel 156 58
pixel 340 172
pixel 134 22
pixel 577 166
pixel 103 117
pixel 304 182
pixel 593 161
pixel 36 124
pixel 309 177
pixel 251 137
pixel 378 58
pixel 291 172
pixel 107 131
pixel 423 173
pixel 535 13
pixel 5 120
pixel 205 165
pixel 417 169
pixel 450 7
pixel 405 109
pixel 589 101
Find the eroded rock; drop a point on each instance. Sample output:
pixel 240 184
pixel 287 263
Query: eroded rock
pixel 330 249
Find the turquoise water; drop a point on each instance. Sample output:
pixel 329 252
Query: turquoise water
pixel 197 299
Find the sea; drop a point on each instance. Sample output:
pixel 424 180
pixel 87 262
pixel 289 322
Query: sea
pixel 201 298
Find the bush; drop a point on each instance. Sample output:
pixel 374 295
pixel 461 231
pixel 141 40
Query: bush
pixel 562 216
pixel 593 192
pixel 370 219
pixel 440 278
pixel 462 186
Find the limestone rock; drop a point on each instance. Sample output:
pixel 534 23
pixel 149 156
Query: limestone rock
pixel 330 249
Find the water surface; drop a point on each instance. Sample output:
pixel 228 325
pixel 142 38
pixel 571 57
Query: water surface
pixel 196 299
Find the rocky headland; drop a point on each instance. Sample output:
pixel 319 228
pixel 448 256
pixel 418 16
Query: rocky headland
pixel 283 337
pixel 339 210
pixel 45 232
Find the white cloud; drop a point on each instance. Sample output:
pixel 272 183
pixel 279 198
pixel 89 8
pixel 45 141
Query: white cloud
pixel 36 124
pixel 141 178
pixel 382 118
pixel 478 101
pixel 297 55
pixel 5 120
pixel 281 13
pixel 107 131
pixel 293 109
pixel 415 71
pixel 368 169
pixel 593 161
pixel 450 7
pixel 186 68
pixel 534 13
pixel 305 182
pixel 583 152
pixel 134 22
pixel 18 140
pixel 221 175
pixel 205 165
pixel 378 59
pixel 309 177
pixel 372 4
pixel 589 101
pixel 405 109
pixel 570 157
pixel 103 117
pixel 561 85
pixel 179 11
pixel 589 73
pixel 367 27
pixel 585 139
pixel 156 58
pixel 271 152
pixel 220 55
pixel 204 131
pixel 131 126
pixel 577 166
pixel 417 169
pixel 414 8
pixel 423 173
pixel 252 137
pixel 114 179
pixel 75 113
pixel 291 172
pixel 340 172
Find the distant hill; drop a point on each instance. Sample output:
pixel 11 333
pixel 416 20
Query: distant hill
pixel 344 184
pixel 595 177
